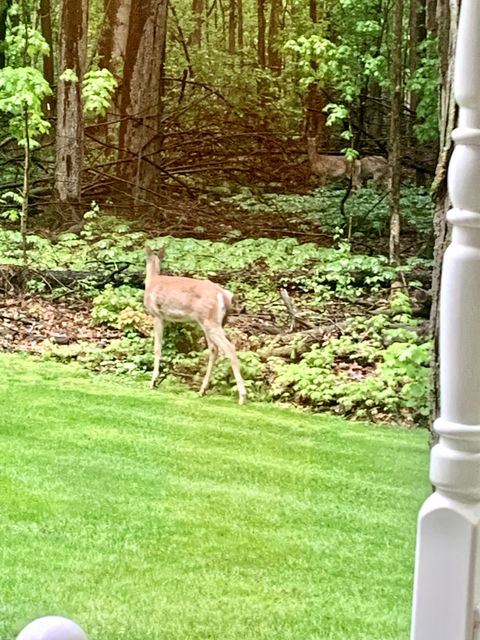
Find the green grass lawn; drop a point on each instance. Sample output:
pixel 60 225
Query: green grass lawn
pixel 163 516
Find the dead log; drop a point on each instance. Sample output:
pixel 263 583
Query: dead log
pixel 17 277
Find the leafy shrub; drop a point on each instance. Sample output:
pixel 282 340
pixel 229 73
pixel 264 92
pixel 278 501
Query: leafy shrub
pixel 119 307
pixel 132 355
pixel 122 308
pixel 376 369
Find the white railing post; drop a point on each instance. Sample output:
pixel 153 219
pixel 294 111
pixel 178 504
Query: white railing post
pixel 447 571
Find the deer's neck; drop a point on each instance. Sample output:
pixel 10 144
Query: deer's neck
pixel 153 270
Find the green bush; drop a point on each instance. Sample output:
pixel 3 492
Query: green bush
pixel 375 369
pixel 131 354
pixel 252 372
pixel 112 301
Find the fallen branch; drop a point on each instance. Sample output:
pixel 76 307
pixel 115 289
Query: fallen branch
pixel 17 277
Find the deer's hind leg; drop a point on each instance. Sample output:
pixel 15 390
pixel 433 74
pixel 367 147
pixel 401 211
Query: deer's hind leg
pixel 212 356
pixel 218 337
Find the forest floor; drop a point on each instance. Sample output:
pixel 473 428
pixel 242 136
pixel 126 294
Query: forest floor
pixel 219 222
pixel 27 320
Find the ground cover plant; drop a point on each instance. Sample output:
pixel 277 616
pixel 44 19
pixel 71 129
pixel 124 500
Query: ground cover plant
pixel 365 212
pixel 153 516
pixel 313 325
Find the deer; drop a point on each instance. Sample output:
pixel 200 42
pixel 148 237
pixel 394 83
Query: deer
pixel 375 167
pixel 182 299
pixel 328 166
pixel 359 170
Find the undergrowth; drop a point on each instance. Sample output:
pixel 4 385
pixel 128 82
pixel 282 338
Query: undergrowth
pixel 375 366
pixel 366 211
pixel 378 366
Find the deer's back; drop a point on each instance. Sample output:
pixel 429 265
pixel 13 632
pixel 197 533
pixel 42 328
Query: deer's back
pixel 374 166
pixel 181 299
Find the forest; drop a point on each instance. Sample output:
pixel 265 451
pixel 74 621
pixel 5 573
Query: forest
pixel 293 151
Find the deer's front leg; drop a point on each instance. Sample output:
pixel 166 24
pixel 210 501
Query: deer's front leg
pixel 158 337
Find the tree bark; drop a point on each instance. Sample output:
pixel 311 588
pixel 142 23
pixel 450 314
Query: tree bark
pixel 315 117
pixel 447 20
pixel 195 38
pixel 395 133
pixel 232 27
pixel 240 32
pixel 46 24
pixel 142 92
pixel 417 33
pixel 274 57
pixel 261 48
pixel 112 54
pixel 113 41
pixel 4 7
pixel 69 142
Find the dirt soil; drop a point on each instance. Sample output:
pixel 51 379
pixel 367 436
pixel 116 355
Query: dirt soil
pixel 28 320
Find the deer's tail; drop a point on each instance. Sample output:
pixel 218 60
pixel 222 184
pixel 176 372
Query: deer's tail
pixel 224 298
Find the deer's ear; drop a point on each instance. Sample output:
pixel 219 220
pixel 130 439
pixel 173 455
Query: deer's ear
pixel 148 251
pixel 161 253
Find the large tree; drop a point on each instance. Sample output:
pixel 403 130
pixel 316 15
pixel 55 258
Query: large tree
pixel 273 50
pixel 447 21
pixel 141 95
pixel 114 36
pixel 394 152
pixel 70 125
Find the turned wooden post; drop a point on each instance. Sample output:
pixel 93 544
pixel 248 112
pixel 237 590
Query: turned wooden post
pixel 447 571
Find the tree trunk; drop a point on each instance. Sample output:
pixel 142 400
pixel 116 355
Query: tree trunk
pixel 315 117
pixel 262 59
pixel 447 17
pixel 4 7
pixel 274 57
pixel 26 188
pixel 240 29
pixel 113 41
pixel 112 50
pixel 69 143
pixel 142 93
pixel 195 38
pixel 46 25
pixel 432 11
pixel 417 33
pixel 262 54
pixel 375 124
pixel 395 133
pixel 232 27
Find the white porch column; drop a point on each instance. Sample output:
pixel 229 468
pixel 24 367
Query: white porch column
pixel 447 572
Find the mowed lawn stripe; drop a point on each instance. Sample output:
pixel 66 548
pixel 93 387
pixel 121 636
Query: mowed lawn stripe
pixel 160 515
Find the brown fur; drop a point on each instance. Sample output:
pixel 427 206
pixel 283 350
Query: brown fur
pixel 179 299
pixel 331 167
pixel 328 167
pixel 374 167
